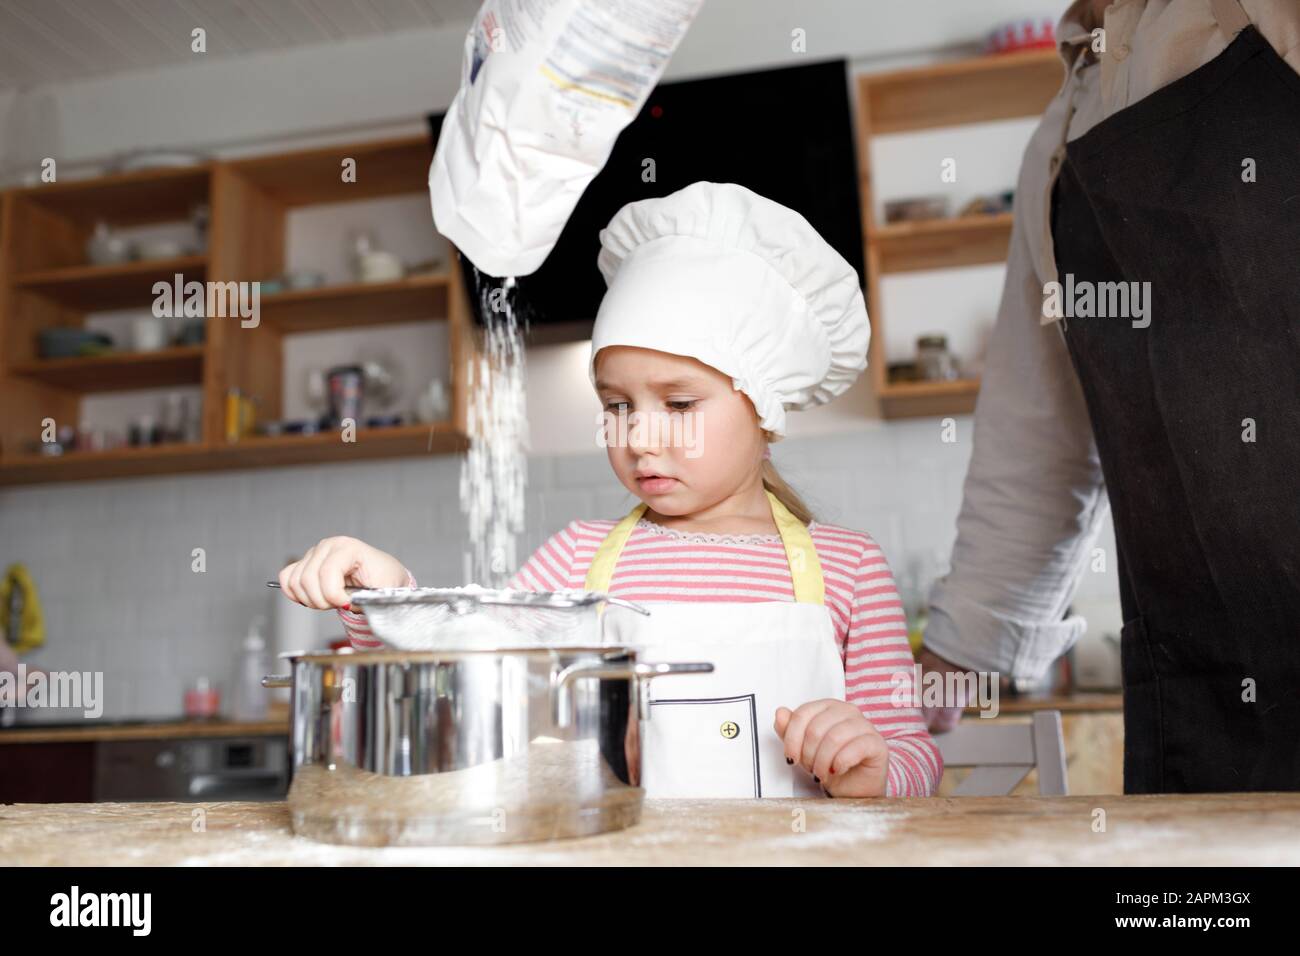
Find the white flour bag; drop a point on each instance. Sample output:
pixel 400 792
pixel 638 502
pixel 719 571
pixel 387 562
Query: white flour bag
pixel 546 86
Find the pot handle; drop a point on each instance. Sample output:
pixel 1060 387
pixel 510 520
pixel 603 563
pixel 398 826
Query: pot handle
pixel 272 681
pixel 592 670
pixel 623 602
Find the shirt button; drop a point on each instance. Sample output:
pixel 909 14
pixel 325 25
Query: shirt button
pixel 1122 52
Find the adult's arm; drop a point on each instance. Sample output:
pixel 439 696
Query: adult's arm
pixel 1033 497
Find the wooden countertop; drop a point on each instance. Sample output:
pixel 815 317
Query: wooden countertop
pixel 1254 829
pixel 147 730
pixel 1071 702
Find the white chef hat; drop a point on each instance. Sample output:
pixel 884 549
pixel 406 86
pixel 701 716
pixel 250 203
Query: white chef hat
pixel 717 272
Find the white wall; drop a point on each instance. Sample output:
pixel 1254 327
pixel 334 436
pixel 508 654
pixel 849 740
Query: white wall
pixel 382 81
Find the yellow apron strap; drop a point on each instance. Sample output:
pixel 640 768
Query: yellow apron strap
pixel 805 566
pixel 601 572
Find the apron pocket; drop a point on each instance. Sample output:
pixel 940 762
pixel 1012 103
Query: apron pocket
pixel 705 747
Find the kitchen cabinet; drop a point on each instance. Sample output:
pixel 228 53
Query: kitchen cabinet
pixel 61 772
pixel 976 90
pixel 145 761
pixel 46 283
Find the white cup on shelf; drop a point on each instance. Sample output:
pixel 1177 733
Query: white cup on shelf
pixel 148 334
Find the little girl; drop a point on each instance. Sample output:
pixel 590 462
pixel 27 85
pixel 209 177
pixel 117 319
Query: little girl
pixel 724 310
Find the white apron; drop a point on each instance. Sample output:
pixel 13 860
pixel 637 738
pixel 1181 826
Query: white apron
pixel 713 735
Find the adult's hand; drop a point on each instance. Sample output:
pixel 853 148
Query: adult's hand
pixel 940 720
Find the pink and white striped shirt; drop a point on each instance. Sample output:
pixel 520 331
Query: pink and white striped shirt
pixel 664 564
pixel 358 628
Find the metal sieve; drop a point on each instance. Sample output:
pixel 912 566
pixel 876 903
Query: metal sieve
pixel 477 618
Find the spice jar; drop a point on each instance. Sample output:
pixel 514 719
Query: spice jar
pixel 934 362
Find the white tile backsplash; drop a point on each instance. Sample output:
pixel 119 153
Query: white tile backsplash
pixel 112 559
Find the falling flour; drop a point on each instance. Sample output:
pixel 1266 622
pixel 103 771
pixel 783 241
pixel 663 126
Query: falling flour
pixel 494 475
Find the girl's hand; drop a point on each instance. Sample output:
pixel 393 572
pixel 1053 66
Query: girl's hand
pixel 837 745
pixel 318 578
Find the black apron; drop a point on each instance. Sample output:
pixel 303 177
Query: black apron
pixel 1207 524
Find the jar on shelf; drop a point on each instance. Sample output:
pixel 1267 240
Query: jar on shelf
pixel 934 363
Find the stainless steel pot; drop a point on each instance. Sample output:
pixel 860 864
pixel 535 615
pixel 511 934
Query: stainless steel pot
pixel 467 747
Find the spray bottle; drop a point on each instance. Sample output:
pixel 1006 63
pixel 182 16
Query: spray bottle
pixel 250 698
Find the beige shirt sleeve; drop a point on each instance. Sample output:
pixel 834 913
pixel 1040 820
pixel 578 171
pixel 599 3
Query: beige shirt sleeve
pixel 1033 498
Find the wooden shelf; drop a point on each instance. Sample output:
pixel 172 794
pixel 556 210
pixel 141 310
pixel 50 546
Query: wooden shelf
pixel 118 371
pixel 942 243
pixel 977 90
pixel 263 450
pixel 358 304
pixel 253 452
pixel 113 463
pixel 1067 702
pixel 44 284
pixel 386 167
pixel 121 199
pixel 981 89
pixel 959 386
pixel 914 399
pixel 104 288
pixel 36 732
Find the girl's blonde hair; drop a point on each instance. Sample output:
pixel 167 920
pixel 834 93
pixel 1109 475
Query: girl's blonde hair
pixel 774 483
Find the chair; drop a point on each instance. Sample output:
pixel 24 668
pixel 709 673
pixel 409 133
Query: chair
pixel 1001 755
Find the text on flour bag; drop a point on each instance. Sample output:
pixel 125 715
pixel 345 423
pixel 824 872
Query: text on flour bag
pixel 546 86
